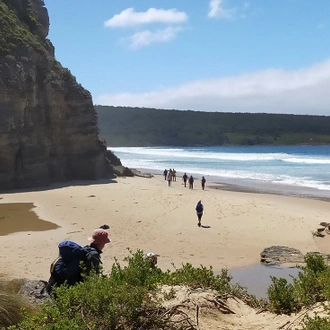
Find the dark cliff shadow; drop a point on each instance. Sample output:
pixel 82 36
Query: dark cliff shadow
pixel 58 185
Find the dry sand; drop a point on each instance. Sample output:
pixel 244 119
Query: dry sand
pixel 147 214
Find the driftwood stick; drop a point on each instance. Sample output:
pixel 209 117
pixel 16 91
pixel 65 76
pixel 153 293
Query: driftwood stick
pixel 172 310
pixel 261 310
pixel 221 305
pixel 301 315
pixel 196 314
pixel 285 324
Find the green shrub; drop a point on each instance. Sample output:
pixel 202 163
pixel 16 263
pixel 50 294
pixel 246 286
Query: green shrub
pixel 281 296
pixel 316 323
pixel 308 288
pixel 315 263
pixel 127 298
pixel 312 281
pixel 312 285
pixel 98 303
pixel 138 271
pixel 324 280
pixel 202 277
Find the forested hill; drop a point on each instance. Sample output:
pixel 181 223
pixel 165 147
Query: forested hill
pixel 125 126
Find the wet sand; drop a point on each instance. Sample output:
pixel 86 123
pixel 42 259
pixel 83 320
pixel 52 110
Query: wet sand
pixel 147 214
pixel 18 217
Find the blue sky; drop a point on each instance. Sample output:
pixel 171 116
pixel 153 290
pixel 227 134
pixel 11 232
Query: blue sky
pixel 270 56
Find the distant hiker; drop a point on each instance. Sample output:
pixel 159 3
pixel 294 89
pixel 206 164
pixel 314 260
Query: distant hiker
pixel 165 174
pixel 153 258
pixel 74 262
pixel 191 182
pixel 169 178
pixel 203 183
pixel 199 210
pixel 174 174
pixel 185 178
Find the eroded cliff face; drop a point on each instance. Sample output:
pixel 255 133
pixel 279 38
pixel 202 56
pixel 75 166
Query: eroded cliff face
pixel 48 125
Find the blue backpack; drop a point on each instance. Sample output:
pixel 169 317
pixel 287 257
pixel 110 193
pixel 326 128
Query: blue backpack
pixel 72 262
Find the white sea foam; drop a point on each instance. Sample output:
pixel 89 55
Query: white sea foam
pixel 294 166
pixel 200 154
pixel 308 160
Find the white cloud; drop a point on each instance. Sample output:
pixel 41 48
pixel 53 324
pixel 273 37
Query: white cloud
pixel 145 38
pixel 304 91
pixel 217 10
pixel 129 17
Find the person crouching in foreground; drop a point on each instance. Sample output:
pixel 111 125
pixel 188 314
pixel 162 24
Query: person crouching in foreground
pixel 75 262
pixel 97 243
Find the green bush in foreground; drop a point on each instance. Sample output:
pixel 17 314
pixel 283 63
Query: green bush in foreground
pixel 281 296
pixel 316 323
pixel 311 286
pixel 129 297
pixel 125 299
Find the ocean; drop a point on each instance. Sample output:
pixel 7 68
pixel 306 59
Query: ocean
pixel 288 170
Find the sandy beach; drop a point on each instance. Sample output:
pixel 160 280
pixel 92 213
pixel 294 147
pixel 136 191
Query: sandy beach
pixel 146 214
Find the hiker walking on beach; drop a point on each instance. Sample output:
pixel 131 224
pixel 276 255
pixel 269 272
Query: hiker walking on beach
pixel 169 178
pixel 199 210
pixel 191 182
pixel 165 174
pixel 185 178
pixel 174 174
pixel 68 268
pixel 203 183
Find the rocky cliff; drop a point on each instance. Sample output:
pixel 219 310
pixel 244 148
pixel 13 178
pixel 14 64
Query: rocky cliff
pixel 48 125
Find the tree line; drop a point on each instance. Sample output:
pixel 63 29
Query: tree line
pixel 129 126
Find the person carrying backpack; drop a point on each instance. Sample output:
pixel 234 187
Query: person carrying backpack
pixel 74 262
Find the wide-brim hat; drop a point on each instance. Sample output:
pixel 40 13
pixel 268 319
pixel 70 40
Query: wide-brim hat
pixel 151 254
pixel 99 236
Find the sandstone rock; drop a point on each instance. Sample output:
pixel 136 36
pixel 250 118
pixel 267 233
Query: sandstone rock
pixel 114 160
pixel 140 174
pixel 278 255
pixel 122 171
pixel 48 126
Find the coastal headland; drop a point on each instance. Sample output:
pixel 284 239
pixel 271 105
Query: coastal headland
pixel 144 213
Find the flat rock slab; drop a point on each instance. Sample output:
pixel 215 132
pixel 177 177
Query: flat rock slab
pixel 279 255
pixel 32 291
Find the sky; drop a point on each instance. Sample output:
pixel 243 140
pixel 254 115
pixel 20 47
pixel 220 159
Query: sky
pixel 257 56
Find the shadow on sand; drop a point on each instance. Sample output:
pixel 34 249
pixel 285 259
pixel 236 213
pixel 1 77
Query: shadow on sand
pixel 58 185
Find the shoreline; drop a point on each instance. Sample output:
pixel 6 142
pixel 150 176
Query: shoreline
pixel 146 214
pixel 253 187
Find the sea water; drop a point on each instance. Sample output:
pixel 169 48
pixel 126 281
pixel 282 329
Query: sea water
pixel 300 170
pixel 257 278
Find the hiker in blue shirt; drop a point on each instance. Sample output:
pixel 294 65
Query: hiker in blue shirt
pixel 199 210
